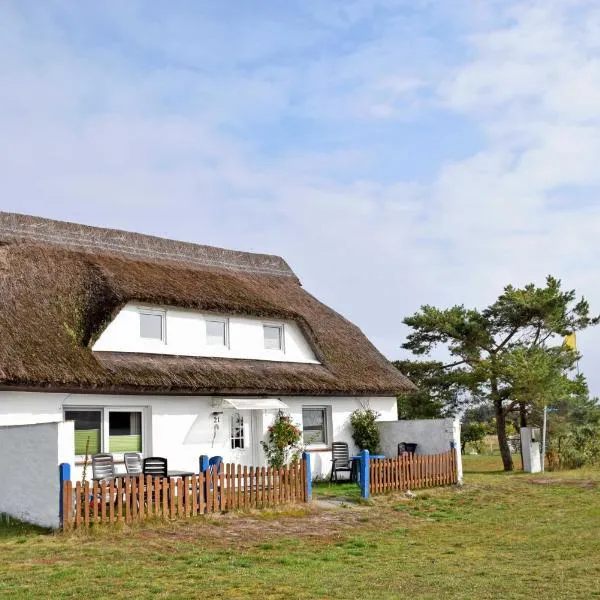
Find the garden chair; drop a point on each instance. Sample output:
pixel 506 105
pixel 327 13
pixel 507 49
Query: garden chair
pixel 156 466
pixel 103 467
pixel 340 460
pixel 133 463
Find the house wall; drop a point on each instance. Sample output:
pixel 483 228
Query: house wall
pixel 186 336
pixel 182 427
pixel 30 455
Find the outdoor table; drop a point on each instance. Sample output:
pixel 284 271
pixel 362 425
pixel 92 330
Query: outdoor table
pixel 355 473
pixel 179 474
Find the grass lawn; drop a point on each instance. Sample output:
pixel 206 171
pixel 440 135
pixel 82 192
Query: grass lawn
pixel 499 536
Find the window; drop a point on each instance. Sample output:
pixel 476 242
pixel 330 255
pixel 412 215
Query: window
pixel 88 430
pixel 124 431
pixel 106 430
pixel 216 332
pixel 315 425
pixel 273 337
pixel 237 431
pixel 152 325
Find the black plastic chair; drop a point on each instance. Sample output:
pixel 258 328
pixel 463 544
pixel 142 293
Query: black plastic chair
pixel 340 460
pixel 133 463
pixel 406 447
pixel 103 467
pixel 156 466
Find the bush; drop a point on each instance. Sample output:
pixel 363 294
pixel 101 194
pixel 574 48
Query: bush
pixel 283 444
pixel 472 433
pixel 365 432
pixel 579 448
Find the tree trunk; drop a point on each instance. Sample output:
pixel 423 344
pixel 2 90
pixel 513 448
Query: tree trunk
pixel 507 460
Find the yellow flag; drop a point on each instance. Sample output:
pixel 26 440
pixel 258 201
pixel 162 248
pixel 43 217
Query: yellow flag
pixel 570 341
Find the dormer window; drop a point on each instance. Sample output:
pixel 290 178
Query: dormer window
pixel 216 332
pixel 152 325
pixel 273 335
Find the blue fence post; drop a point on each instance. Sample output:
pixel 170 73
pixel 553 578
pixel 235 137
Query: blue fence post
pixel 364 474
pixel 64 474
pixel 308 472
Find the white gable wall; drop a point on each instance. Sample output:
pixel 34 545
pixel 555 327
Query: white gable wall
pixel 186 336
pixel 181 428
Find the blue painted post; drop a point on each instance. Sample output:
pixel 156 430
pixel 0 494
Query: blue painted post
pixel 64 474
pixel 204 461
pixel 364 474
pixel 307 470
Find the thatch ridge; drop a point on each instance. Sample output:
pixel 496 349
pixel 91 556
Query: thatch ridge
pixel 17 227
pixel 55 301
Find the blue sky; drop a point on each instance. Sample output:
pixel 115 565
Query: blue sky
pixel 395 152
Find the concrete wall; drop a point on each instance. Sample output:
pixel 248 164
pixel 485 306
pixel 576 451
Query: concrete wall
pixel 433 436
pixel 186 336
pixel 29 459
pixel 182 428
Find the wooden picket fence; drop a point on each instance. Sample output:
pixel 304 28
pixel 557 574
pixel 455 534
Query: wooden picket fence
pixel 134 499
pixel 411 472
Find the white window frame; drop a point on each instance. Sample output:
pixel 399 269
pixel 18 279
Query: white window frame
pixel 281 328
pixel 225 322
pixel 243 437
pixel 328 415
pixel 105 427
pixel 154 312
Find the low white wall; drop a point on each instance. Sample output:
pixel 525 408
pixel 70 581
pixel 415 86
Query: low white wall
pixel 432 436
pixel 29 460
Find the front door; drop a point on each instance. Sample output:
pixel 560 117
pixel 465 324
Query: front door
pixel 242 436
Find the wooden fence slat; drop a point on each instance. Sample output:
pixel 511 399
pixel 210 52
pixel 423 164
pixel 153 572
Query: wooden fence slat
pixel 141 498
pixel 133 498
pixel 172 499
pixel 86 504
pixel 104 499
pixel 179 493
pixel 95 500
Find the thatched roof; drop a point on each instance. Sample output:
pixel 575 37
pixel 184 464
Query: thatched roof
pixel 61 284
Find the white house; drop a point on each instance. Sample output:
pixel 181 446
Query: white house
pixel 173 349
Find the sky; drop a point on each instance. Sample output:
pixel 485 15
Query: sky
pixel 395 152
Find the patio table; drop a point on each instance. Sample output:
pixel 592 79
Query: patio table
pixel 179 474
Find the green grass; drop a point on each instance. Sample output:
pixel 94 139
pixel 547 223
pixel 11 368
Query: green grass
pixel 499 536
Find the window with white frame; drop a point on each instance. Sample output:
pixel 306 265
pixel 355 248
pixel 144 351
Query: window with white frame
pixel 273 336
pixel 238 440
pixel 153 324
pixel 315 425
pixel 217 333
pixel 113 430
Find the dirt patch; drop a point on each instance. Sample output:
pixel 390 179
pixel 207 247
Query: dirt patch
pixel 247 529
pixel 582 483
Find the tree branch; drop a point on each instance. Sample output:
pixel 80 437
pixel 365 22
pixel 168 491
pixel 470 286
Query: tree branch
pixel 507 339
pixel 510 407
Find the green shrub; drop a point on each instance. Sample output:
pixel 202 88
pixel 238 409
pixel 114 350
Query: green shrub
pixel 579 448
pixel 365 432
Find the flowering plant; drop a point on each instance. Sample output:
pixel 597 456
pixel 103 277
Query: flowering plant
pixel 283 443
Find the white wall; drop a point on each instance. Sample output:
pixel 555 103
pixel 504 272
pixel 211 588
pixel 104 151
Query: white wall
pixel 186 336
pixel 29 459
pixel 181 428
pixel 433 436
pixel 20 408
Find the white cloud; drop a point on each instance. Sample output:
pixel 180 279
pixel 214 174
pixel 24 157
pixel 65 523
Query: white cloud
pixel 266 133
